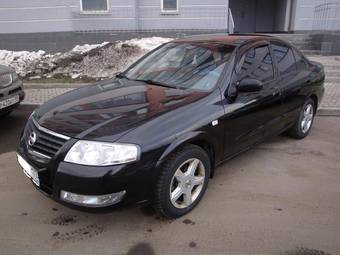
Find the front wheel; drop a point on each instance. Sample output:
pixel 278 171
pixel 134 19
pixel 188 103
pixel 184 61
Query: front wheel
pixel 304 123
pixel 182 182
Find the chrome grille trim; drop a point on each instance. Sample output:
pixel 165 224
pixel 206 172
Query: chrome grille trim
pixel 49 131
pixel 46 143
pixel 39 154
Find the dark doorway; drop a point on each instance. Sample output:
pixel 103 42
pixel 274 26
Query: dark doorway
pixel 259 15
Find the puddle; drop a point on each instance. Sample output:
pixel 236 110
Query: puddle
pixel 192 245
pixel 141 249
pixel 64 220
pixel 189 222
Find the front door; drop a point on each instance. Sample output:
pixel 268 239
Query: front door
pixel 249 116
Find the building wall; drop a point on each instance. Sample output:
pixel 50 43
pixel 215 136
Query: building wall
pixel 192 14
pixel 303 14
pixel 22 16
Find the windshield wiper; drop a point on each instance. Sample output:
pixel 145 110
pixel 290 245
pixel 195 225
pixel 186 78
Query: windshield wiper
pixel 157 83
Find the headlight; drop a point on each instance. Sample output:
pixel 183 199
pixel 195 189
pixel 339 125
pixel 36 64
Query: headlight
pixel 6 79
pixel 102 154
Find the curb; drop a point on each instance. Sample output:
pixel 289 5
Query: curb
pixel 328 112
pixel 321 111
pixel 54 85
pixel 28 107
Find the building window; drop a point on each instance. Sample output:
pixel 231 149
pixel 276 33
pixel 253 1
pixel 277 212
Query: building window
pixel 169 5
pixel 94 6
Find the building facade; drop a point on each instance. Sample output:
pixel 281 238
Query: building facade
pixel 36 16
pixel 22 16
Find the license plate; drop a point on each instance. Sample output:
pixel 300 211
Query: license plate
pixel 9 101
pixel 29 170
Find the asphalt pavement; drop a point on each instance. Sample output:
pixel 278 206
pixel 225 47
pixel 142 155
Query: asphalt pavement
pixel 282 197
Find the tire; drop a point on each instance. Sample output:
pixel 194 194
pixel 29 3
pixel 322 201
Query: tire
pixel 304 123
pixel 183 184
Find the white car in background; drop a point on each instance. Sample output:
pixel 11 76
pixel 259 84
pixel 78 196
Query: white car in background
pixel 11 90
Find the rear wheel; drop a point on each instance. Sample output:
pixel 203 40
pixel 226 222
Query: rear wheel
pixel 182 182
pixel 304 123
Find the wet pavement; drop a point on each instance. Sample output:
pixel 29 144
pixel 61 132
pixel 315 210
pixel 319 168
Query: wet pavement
pixel 282 197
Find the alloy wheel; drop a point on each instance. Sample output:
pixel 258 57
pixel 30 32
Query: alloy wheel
pixel 307 119
pixel 187 183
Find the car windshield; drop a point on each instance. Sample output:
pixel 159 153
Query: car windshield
pixel 195 66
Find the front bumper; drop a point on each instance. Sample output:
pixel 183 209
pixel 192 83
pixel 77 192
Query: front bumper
pixel 127 183
pixel 16 88
pixel 92 201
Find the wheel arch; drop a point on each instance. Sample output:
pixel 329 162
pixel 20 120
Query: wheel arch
pixel 314 97
pixel 194 138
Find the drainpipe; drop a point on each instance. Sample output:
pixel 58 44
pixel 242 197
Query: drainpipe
pixel 288 15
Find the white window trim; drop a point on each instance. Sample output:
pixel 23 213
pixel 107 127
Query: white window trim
pixel 169 11
pixel 95 12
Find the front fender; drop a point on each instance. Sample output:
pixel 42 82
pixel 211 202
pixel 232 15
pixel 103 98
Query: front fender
pixel 193 137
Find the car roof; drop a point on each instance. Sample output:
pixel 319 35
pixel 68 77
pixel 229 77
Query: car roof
pixel 234 39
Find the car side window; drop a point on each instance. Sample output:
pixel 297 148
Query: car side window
pixel 257 64
pixel 300 61
pixel 284 58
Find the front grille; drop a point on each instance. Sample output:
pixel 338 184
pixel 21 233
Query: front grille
pixel 46 142
pixel 5 80
pixel 13 91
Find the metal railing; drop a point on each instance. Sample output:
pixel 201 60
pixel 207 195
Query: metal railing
pixel 327 17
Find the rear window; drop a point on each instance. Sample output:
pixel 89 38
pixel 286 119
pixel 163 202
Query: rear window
pixel 284 58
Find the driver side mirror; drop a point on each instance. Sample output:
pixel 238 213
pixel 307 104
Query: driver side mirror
pixel 249 85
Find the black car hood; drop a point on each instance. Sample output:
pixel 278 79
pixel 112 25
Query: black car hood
pixel 107 110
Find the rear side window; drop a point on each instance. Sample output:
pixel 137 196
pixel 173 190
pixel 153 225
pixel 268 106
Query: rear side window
pixel 257 64
pixel 284 58
pixel 300 61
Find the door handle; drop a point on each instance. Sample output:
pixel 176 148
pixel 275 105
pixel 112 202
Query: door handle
pixel 276 92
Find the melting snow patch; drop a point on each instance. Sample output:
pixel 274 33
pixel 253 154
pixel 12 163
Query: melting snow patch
pixel 87 47
pixel 89 60
pixel 148 43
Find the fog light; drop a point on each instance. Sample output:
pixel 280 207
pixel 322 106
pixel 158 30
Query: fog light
pixel 92 201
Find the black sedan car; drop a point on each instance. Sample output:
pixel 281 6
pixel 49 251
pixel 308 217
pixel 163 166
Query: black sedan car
pixel 157 131
pixel 11 90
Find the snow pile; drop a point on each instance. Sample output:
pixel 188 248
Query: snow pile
pixel 20 60
pixel 91 61
pixel 87 47
pixel 148 43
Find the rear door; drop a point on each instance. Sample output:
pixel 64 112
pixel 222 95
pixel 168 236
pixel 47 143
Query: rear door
pixel 250 114
pixel 292 79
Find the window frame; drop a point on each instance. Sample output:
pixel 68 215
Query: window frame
pixel 253 47
pixel 275 60
pixel 165 11
pixel 82 11
pixel 296 53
